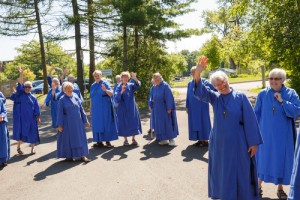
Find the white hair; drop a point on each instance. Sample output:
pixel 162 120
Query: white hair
pixel 218 75
pixel 158 75
pixel 28 83
pixel 97 72
pixel 55 80
pixel 118 76
pixel 278 73
pixel 66 85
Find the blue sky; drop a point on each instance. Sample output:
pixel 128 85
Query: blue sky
pixel 192 20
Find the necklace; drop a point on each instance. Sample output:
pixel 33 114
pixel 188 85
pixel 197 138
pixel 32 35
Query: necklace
pixel 225 104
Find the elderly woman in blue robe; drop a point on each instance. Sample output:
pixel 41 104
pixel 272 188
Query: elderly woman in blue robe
pixel 234 139
pixel 198 114
pixel 129 123
pixel 103 119
pixel 164 112
pixel 276 109
pixel 4 136
pixel 52 100
pixel 27 113
pixel 71 122
pixel 295 179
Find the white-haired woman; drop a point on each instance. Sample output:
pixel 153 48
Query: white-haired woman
pixel 129 122
pixel 276 109
pixel 164 112
pixel 27 113
pixel 4 136
pixel 234 139
pixel 52 100
pixel 103 119
pixel 71 122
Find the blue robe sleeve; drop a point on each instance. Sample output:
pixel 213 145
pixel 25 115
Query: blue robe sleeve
pixel 2 98
pixel 204 93
pixel 36 108
pixel 107 86
pixel 60 113
pixel 48 98
pixel 251 128
pixel 3 111
pixel 49 80
pixel 257 107
pixel 13 96
pixel 118 95
pixel 208 84
pixel 20 89
pixel 150 103
pixel 291 107
pixel 83 114
pixel 169 98
pixel 187 95
pixel 136 85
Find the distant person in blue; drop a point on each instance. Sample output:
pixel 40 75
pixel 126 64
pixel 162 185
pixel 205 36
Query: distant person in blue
pixel 2 97
pixel 50 77
pixel 129 123
pixel 76 90
pixel 164 112
pixel 27 113
pixel 118 81
pixel 52 100
pixel 71 122
pixel 103 119
pixel 276 109
pixel 198 114
pixel 295 179
pixel 4 136
pixel 150 105
pixel 233 141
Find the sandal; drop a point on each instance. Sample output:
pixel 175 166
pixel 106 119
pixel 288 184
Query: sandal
pixel 4 164
pixel 98 144
pixel 204 143
pixel 134 142
pixel 108 144
pixel 20 152
pixel 198 144
pixel 126 143
pixel 69 160
pixel 85 159
pixel 33 151
pixel 260 192
pixel 281 194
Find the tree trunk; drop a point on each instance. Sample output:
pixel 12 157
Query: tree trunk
pixel 125 64
pixel 232 64
pixel 42 47
pixel 91 41
pixel 79 53
pixel 136 48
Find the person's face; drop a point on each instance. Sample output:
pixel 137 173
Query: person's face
pixel 275 82
pixel 156 80
pixel 193 73
pixel 97 77
pixel 222 86
pixel 118 80
pixel 68 91
pixel 55 83
pixel 125 79
pixel 27 89
pixel 71 79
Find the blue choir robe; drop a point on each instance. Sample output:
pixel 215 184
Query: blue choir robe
pixel 2 97
pixel 295 179
pixel 103 118
pixel 4 136
pixel 128 122
pixel 198 114
pixel 150 104
pixel 275 156
pixel 52 100
pixel 232 173
pixel 72 141
pixel 26 113
pixel 76 90
pixel 165 125
pixel 16 115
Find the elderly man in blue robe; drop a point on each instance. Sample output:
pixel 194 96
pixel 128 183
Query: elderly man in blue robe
pixel 276 109
pixel 129 122
pixel 234 139
pixel 71 122
pixel 164 112
pixel 198 114
pixel 52 100
pixel 27 115
pixel 103 119
pixel 4 136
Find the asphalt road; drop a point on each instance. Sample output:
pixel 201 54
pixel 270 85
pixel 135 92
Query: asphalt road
pixel 148 171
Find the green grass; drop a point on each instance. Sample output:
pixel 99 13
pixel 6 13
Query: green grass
pixel 255 90
pixel 40 98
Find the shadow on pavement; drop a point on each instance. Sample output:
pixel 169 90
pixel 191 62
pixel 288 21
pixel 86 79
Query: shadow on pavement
pixel 154 150
pixel 55 168
pixel 18 158
pixel 43 158
pixel 94 152
pixel 192 152
pixel 118 151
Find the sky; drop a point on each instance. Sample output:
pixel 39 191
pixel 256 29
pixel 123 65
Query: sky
pixel 8 45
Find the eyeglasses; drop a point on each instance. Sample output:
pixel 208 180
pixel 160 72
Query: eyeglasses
pixel 276 79
pixel 27 87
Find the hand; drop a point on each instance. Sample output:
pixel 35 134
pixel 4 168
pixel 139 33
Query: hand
pixel 53 86
pixel 133 75
pixel 277 96
pixel 202 63
pixel 38 119
pixel 103 87
pixel 87 124
pixel 169 111
pixel 44 106
pixel 20 70
pixel 59 128
pixel 66 71
pixel 252 150
pixel 187 111
pixel 52 68
pixel 14 89
pixel 150 108
pixel 1 118
pixel 123 88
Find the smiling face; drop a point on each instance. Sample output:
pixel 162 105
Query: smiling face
pixel 222 86
pixel 27 89
pixel 97 77
pixel 125 79
pixel 68 90
pixel 275 82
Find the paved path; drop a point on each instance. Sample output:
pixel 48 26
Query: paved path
pixel 148 171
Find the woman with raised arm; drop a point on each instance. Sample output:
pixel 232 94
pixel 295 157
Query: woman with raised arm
pixel 234 139
pixel 4 136
pixel 129 123
pixel 103 119
pixel 25 126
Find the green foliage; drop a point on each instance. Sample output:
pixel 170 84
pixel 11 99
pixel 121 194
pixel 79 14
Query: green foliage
pixel 212 50
pixel 2 77
pixel 191 59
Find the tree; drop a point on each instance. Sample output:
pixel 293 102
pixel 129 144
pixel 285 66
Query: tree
pixel 191 59
pixel 212 50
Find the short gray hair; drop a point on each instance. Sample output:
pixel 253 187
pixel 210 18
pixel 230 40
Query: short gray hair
pixel 218 75
pixel 157 74
pixel 28 83
pixel 55 80
pixel 97 72
pixel 279 73
pixel 118 76
pixel 66 85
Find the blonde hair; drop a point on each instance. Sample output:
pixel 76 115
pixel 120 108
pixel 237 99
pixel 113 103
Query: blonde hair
pixel 97 72
pixel 125 74
pixel 66 85
pixel 280 73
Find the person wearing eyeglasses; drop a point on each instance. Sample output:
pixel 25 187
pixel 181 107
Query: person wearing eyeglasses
pixel 276 109
pixel 27 113
pixel 4 135
pixel 233 140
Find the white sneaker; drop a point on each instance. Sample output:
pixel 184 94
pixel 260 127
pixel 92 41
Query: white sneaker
pixel 163 142
pixel 172 143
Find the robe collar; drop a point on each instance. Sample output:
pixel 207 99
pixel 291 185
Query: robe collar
pixel 281 90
